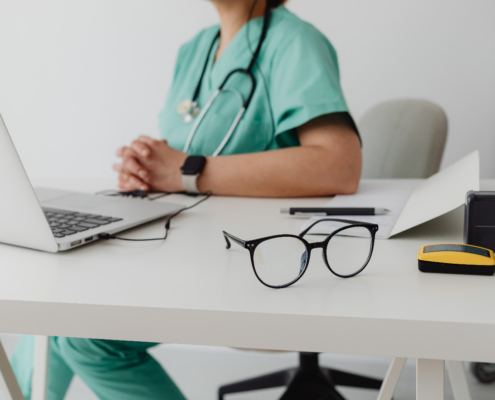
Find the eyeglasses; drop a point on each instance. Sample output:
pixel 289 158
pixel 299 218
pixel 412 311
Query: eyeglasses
pixel 280 261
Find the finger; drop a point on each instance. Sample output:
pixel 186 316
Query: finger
pixel 147 140
pixel 131 165
pixel 137 184
pixel 128 187
pixel 121 151
pixel 123 184
pixel 141 148
pixel 117 167
pixel 126 152
pixel 124 177
pixel 131 182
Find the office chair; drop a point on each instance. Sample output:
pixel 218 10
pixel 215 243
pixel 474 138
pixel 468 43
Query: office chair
pixel 401 139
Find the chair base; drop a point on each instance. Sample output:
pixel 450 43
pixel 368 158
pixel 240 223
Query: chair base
pixel 308 381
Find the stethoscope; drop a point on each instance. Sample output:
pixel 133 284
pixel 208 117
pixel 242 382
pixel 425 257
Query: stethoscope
pixel 189 109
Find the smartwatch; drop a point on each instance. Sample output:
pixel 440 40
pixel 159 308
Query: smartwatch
pixel 192 168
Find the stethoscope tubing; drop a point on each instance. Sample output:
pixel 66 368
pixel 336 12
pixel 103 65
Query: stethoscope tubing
pixel 230 132
pixel 244 103
pixel 202 114
pixel 199 119
pixel 249 75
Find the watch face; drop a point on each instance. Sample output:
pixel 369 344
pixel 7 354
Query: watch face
pixel 194 165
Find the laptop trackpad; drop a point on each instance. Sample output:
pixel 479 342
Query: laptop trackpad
pixel 80 202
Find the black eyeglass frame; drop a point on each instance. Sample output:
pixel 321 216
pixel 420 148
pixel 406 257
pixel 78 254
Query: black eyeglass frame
pixel 252 244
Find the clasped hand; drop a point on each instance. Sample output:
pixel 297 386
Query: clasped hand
pixel 149 164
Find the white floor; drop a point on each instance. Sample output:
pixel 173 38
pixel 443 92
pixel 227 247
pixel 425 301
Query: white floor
pixel 200 370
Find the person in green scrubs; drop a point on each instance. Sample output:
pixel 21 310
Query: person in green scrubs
pixel 295 139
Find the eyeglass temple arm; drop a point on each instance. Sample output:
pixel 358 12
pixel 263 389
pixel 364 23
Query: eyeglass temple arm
pixel 228 236
pixel 346 221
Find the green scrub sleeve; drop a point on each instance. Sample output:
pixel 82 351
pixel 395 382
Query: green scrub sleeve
pixel 305 83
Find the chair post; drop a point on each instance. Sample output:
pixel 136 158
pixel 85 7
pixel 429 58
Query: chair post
pixel 308 362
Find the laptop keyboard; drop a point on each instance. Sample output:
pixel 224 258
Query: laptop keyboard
pixel 66 223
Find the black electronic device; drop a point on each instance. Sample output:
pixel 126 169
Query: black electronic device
pixel 479 219
pixel 193 165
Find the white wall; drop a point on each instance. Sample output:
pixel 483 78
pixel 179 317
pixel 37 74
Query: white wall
pixel 79 78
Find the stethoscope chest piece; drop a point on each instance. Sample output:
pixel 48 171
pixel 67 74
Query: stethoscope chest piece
pixel 188 109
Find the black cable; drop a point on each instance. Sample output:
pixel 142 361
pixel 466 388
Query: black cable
pixel 143 194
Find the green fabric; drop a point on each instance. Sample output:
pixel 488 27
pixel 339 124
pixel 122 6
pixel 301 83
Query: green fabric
pixel 112 369
pixel 299 81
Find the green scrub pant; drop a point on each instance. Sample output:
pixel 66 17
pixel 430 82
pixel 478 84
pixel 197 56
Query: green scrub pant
pixel 112 369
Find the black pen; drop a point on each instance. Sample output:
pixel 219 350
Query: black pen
pixel 334 211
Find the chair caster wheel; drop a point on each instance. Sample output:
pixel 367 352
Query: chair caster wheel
pixel 484 372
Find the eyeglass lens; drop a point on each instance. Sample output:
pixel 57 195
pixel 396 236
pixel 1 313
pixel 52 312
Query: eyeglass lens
pixel 279 261
pixel 348 251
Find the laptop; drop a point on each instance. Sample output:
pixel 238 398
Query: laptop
pixel 56 220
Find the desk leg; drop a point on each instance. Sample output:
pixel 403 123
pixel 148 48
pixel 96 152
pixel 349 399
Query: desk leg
pixel 390 382
pixel 430 379
pixel 40 368
pixel 458 380
pixel 9 387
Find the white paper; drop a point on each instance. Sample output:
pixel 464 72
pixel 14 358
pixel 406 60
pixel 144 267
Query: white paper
pixel 390 194
pixel 441 193
pixel 411 202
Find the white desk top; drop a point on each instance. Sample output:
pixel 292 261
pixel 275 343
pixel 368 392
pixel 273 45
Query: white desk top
pixel 190 289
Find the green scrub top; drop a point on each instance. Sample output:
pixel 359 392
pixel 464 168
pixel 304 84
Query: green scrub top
pixel 297 79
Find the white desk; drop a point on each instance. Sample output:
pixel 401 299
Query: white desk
pixel 191 290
